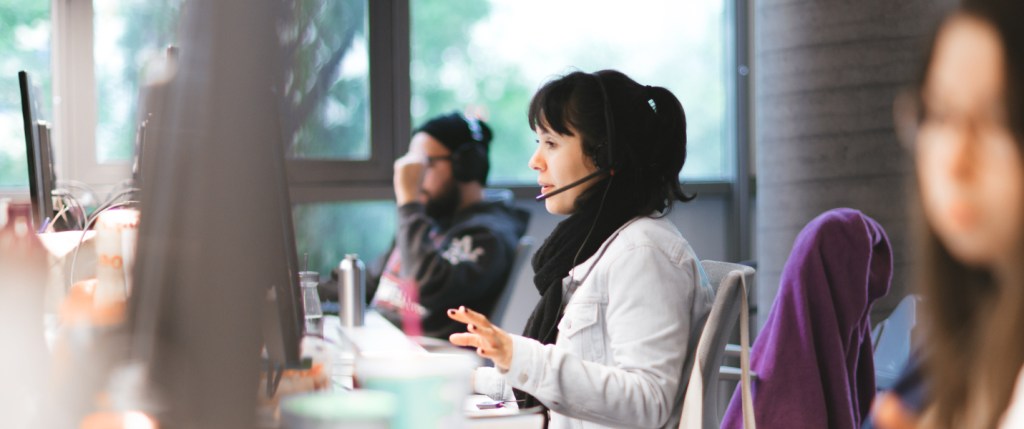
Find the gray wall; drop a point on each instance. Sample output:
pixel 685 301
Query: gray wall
pixel 702 222
pixel 827 72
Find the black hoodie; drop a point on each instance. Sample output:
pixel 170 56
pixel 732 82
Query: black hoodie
pixel 464 260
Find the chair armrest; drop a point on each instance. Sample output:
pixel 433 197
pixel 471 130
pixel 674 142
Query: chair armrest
pixel 729 373
pixel 732 351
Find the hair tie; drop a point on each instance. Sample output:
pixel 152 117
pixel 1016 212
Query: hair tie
pixel 650 98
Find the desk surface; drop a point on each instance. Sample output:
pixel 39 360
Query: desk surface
pixel 377 337
pixel 380 338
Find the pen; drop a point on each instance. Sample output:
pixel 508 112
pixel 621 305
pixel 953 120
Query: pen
pixel 45 224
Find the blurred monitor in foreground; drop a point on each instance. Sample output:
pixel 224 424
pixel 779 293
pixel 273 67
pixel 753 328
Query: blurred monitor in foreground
pixel 216 272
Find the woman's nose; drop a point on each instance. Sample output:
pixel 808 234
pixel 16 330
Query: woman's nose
pixel 963 154
pixel 536 161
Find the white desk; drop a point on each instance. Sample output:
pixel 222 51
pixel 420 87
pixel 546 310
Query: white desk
pixel 377 337
pixel 380 338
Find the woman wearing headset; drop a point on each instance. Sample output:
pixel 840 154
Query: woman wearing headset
pixel 622 292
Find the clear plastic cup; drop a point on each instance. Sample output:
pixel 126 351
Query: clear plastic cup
pixel 431 387
pixel 361 409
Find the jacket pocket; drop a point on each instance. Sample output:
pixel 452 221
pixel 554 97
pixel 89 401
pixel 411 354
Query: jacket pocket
pixel 579 329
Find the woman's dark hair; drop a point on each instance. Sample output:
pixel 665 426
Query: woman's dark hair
pixel 972 322
pixel 649 142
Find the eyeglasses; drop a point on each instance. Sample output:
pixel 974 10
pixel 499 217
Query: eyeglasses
pixel 923 127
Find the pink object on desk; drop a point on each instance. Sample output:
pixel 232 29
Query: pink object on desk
pixel 412 324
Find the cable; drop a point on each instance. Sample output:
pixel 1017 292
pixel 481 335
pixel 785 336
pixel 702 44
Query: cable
pixel 89 193
pixel 62 213
pixel 82 215
pixel 600 208
pixel 81 239
pixel 110 201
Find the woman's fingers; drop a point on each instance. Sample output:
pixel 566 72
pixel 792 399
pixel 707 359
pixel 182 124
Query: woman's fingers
pixel 465 340
pixel 467 316
pixel 485 338
pixel 490 341
pixel 484 347
pixel 482 330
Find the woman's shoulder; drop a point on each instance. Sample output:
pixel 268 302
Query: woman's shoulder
pixel 651 229
pixel 654 232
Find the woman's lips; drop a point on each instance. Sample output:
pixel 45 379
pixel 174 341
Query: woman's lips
pixel 545 188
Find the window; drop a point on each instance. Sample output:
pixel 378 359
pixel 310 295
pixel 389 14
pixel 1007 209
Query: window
pixel 24 45
pixel 127 36
pixel 427 57
pixel 327 85
pixel 481 55
pixel 327 231
pixel 490 56
pixel 327 82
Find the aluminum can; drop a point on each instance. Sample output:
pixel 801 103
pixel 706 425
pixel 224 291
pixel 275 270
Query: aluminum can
pixel 351 290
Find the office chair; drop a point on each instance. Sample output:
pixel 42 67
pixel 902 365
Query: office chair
pixel 522 255
pixel 813 356
pixel 732 283
pixel 892 342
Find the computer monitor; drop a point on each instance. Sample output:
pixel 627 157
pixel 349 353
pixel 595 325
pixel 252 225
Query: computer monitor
pixel 216 242
pixel 38 152
pixel 152 97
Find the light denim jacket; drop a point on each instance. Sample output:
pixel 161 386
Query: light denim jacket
pixel 628 330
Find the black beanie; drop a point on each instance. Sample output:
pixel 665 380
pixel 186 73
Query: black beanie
pixel 455 129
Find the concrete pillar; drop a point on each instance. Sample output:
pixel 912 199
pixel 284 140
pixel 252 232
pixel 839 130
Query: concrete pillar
pixel 826 73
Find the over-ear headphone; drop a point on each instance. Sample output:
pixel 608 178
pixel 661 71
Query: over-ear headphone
pixel 469 161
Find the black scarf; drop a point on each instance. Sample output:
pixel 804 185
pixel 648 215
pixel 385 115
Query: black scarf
pixel 554 258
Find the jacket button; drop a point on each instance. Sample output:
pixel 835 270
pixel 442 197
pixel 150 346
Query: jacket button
pixel 523 377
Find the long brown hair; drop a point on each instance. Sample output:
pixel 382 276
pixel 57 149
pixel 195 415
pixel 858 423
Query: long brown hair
pixel 972 322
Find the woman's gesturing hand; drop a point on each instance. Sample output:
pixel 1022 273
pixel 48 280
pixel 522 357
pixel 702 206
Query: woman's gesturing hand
pixel 490 341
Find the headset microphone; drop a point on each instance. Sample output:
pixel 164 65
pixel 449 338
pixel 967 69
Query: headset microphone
pixel 585 179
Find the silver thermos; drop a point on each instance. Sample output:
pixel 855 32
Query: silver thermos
pixel 351 290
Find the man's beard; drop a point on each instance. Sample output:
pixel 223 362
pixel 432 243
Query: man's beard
pixel 444 204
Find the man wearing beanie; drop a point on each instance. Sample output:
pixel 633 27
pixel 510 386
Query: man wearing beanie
pixel 452 248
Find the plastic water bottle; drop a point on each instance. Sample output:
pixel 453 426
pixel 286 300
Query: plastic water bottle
pixel 351 291
pixel 309 280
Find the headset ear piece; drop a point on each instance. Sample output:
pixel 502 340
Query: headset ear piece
pixel 470 163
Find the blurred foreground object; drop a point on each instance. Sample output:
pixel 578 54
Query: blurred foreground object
pixel 116 235
pixel 23 271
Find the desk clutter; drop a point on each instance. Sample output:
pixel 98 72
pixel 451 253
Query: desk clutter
pixel 65 302
pixel 381 378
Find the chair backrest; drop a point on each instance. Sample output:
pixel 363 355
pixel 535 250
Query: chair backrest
pixel 726 278
pixel 522 254
pixel 893 345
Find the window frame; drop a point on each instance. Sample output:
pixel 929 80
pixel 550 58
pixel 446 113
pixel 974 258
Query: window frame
pixel 389 115
pixel 75 98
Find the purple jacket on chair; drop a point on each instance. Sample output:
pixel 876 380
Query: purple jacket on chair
pixel 813 358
